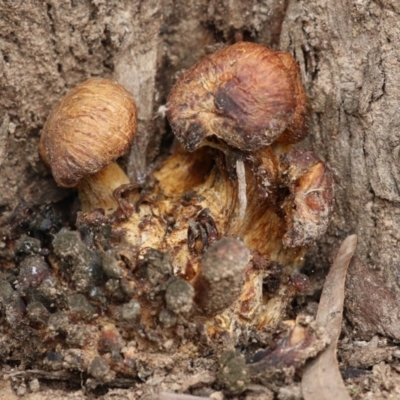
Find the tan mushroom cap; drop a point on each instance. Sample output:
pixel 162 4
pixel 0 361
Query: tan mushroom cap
pixel 89 128
pixel 245 94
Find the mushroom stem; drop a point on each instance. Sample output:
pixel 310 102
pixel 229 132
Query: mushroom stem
pixel 97 190
pixel 240 172
pixel 241 176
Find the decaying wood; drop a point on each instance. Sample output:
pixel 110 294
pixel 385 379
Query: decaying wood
pixel 321 378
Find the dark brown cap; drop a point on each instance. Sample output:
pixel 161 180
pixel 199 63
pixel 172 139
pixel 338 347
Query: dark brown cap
pixel 89 128
pixel 245 94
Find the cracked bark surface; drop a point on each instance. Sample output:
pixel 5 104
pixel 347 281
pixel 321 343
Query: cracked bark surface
pixel 351 71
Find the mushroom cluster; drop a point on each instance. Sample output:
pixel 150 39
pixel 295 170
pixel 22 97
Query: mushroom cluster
pixel 211 247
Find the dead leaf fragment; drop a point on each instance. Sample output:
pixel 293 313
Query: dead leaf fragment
pixel 322 379
pixel 302 341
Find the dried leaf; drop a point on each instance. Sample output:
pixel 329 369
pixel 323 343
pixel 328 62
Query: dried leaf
pixel 302 341
pixel 321 378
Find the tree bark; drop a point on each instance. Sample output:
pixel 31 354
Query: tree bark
pixel 350 67
pixel 347 51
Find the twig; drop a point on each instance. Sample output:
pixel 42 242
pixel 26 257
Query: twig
pixel 176 396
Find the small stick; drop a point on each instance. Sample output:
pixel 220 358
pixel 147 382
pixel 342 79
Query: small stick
pixel 176 396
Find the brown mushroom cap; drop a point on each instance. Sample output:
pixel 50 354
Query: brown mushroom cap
pixel 245 94
pixel 89 128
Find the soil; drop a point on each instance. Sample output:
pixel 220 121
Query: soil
pixel 56 344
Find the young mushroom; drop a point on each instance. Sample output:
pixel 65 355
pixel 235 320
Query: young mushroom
pixel 89 128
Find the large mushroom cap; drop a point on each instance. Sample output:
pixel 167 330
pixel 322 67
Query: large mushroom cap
pixel 245 94
pixel 89 128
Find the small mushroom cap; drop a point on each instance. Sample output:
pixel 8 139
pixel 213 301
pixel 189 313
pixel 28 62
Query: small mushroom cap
pixel 89 128
pixel 245 94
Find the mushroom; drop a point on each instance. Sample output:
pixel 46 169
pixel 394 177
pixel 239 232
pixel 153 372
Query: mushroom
pixel 243 97
pixel 90 127
pixel 247 103
pixel 246 95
